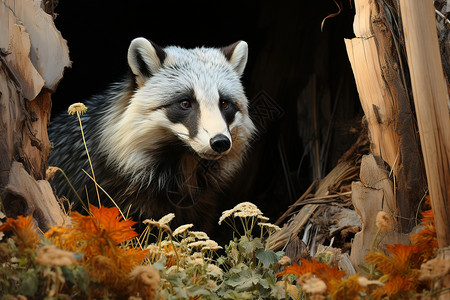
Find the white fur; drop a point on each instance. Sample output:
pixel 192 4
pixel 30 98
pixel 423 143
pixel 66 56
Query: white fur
pixel 130 134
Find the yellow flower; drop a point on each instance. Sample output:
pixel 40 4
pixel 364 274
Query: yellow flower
pixel 384 222
pixel 77 108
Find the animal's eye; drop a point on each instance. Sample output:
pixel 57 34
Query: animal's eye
pixel 224 104
pixel 185 104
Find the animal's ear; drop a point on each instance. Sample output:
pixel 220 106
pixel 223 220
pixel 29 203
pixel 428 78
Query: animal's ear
pixel 236 54
pixel 144 58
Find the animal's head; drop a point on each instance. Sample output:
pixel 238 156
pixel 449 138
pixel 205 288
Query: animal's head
pixel 192 95
pixel 195 93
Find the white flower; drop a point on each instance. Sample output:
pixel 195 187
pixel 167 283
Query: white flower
pixel 214 271
pixel 182 229
pixel 166 219
pixel 226 214
pixel 269 226
pixel 199 235
pixel 188 239
pixel 197 244
pixel 264 219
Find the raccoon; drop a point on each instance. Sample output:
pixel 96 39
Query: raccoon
pixel 166 138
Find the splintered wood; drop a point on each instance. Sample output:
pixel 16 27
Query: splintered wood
pixel 430 99
pixel 373 194
pixel 33 56
pixel 317 220
pixel 376 59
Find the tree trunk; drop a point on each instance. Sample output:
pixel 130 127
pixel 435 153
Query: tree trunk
pixel 430 99
pixel 32 61
pixel 376 56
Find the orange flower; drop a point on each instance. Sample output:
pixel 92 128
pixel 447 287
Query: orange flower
pixel 400 270
pixel 321 270
pixel 426 239
pixel 92 234
pixel 346 289
pixel 24 230
pixel 109 220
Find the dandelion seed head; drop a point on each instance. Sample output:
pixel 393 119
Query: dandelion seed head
pixel 75 108
pixel 51 256
pixel 314 286
pixel 384 222
pixel 284 261
pixel 50 172
pixel 145 280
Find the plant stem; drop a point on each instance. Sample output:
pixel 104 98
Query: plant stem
pixel 89 158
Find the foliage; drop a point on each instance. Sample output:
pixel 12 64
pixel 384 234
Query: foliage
pixel 100 256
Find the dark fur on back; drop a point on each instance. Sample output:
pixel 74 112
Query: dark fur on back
pixel 148 200
pixel 136 135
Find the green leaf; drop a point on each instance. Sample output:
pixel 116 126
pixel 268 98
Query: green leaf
pixel 181 292
pixel 266 257
pixel 249 246
pixel 30 282
pixel 195 291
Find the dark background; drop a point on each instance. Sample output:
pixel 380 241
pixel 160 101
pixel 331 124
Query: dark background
pixel 295 71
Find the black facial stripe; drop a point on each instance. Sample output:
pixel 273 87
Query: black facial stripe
pixel 188 117
pixel 230 112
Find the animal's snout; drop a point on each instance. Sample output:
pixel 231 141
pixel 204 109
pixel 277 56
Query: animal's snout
pixel 220 143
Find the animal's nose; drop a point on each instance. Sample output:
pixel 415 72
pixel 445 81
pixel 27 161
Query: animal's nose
pixel 220 143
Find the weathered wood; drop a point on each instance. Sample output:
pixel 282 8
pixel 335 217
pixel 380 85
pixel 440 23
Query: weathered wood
pixel 341 173
pixel 373 194
pixel 377 63
pixel 430 98
pixel 25 196
pixel 33 56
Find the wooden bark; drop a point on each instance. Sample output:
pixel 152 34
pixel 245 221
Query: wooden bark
pixel 346 169
pixel 33 56
pixel 373 194
pixel 375 56
pixel 430 99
